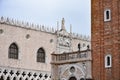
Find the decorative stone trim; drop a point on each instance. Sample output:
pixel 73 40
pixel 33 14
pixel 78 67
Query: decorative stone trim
pixel 27 25
pixel 23 74
pixel 38 27
pixel 81 37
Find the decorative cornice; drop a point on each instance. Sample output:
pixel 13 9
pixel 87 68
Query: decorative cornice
pixel 16 23
pixel 81 37
pixel 27 25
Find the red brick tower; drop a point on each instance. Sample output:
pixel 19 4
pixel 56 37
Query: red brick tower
pixel 106 39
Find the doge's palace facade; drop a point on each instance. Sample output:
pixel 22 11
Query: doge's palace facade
pixel 25 49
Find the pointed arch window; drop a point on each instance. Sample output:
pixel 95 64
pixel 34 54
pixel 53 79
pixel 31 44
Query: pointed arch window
pixel 41 55
pixel 13 51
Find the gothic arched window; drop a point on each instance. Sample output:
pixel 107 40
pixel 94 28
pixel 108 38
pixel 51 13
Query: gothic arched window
pixel 41 55
pixel 13 51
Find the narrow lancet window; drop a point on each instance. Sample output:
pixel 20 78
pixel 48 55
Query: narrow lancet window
pixel 107 15
pixel 108 61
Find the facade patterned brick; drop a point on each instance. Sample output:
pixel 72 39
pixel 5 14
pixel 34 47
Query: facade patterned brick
pixel 105 39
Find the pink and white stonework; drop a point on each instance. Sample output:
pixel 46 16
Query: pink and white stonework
pixel 29 38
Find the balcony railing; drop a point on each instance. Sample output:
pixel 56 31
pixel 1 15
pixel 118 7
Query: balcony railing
pixel 71 57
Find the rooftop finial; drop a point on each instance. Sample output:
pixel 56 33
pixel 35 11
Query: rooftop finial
pixel 57 25
pixel 70 28
pixel 63 24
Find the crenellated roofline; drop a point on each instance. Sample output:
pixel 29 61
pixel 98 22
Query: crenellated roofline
pixel 42 28
pixel 13 22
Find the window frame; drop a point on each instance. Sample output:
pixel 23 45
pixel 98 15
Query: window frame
pixel 106 61
pixel 13 52
pixel 41 55
pixel 105 15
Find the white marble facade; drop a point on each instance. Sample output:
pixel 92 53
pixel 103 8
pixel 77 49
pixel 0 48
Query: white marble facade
pixel 29 38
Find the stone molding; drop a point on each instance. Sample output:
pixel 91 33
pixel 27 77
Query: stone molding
pixel 22 24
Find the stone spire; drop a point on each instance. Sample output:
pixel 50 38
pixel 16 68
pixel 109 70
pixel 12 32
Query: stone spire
pixel 63 24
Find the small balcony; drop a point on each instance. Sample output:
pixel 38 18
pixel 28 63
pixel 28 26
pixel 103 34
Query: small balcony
pixel 71 57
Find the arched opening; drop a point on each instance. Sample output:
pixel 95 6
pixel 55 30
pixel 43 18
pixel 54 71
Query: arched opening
pixel 13 51
pixel 20 78
pixel 26 79
pixel 41 55
pixel 32 79
pixel 72 78
pixel 1 78
pixel 8 78
pixel 14 78
pixel 108 60
pixel 82 79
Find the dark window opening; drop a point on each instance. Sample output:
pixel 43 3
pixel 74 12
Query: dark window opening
pixel 13 51
pixel 107 14
pixel 108 61
pixel 8 78
pixel 41 55
pixel 14 78
pixel 72 78
pixel 1 78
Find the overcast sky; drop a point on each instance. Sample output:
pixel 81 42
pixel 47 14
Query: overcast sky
pixel 48 12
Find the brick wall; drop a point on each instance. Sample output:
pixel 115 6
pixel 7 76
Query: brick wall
pixel 105 39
